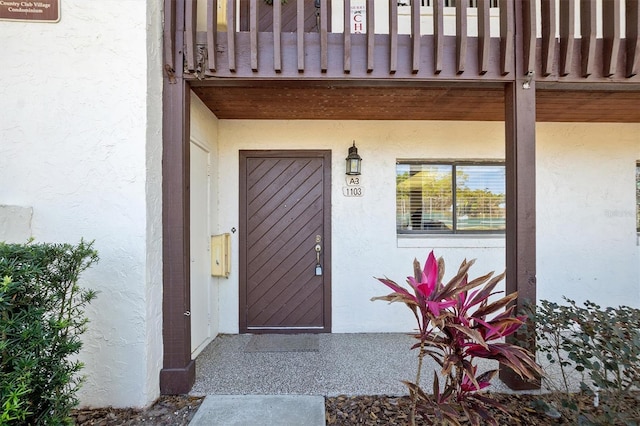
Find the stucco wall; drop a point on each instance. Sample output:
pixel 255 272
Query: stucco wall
pixel 587 241
pixel 15 224
pixel 587 245
pixel 81 144
pixel 363 234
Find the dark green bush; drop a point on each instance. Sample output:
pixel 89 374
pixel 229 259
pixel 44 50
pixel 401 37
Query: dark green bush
pixel 41 320
pixel 602 346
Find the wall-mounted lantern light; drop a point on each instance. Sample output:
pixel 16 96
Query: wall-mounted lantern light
pixel 354 161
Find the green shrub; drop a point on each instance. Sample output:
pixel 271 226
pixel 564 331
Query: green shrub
pixel 41 320
pixel 601 346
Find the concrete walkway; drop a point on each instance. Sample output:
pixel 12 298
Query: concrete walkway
pixel 286 385
pixel 252 410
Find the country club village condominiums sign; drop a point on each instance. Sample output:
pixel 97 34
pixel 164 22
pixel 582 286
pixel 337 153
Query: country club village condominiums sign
pixel 34 11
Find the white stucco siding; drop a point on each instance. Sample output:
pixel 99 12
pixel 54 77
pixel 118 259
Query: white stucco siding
pixel 364 242
pixel 81 145
pixel 15 223
pixel 153 294
pixel 587 243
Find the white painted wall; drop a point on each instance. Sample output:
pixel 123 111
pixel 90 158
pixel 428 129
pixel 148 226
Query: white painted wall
pixel 364 233
pixel 15 224
pixel 586 209
pixel 204 139
pixel 81 144
pixel 587 241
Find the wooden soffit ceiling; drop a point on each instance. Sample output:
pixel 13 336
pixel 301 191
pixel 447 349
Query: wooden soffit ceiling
pixel 298 102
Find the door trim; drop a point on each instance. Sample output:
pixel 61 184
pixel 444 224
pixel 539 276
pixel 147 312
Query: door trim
pixel 326 156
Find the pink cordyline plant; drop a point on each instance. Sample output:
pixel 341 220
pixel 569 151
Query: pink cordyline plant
pixel 456 325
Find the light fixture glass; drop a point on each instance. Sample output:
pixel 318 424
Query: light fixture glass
pixel 354 161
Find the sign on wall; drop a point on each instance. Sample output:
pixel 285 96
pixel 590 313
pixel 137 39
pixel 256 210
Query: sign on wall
pixel 33 11
pixel 354 187
pixel 358 17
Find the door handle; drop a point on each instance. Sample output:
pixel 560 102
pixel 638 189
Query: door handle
pixel 318 249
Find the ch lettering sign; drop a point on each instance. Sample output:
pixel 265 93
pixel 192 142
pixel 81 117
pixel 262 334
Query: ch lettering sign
pixel 358 17
pixel 33 11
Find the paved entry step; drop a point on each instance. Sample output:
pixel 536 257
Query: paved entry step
pixel 283 343
pixel 260 410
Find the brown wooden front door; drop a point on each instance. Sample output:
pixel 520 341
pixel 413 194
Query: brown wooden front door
pixel 285 199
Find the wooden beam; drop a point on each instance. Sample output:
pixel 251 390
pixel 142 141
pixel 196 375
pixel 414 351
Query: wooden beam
pixel 438 35
pixel 520 141
pixel 169 34
pixel 567 37
pixel 371 35
pixel 521 208
pixel 484 36
pixel 611 35
pixel 529 35
pixel 632 24
pixel 461 35
pixel 178 369
pixel 324 38
pixel 190 20
pixel 506 36
pixel 253 33
pixel 231 34
pixel 347 36
pixel 212 33
pixel 415 36
pixel 300 34
pixel 277 35
pixel 393 35
pixel 588 32
pixel 548 12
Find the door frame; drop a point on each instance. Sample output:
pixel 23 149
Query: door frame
pixel 242 220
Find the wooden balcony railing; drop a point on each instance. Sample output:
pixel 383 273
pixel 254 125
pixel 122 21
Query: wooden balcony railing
pixel 570 52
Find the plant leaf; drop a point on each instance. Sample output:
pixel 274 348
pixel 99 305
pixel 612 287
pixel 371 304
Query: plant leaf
pixel 451 288
pixel 487 289
pixel 476 282
pixel 474 335
pixel 436 386
pixel 483 311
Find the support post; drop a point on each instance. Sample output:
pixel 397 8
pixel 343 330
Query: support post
pixel 520 122
pixel 178 373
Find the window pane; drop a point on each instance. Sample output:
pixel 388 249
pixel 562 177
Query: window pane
pixel 424 197
pixel 480 198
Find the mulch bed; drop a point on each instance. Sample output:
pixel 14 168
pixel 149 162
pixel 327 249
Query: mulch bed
pixel 167 411
pixel 523 409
